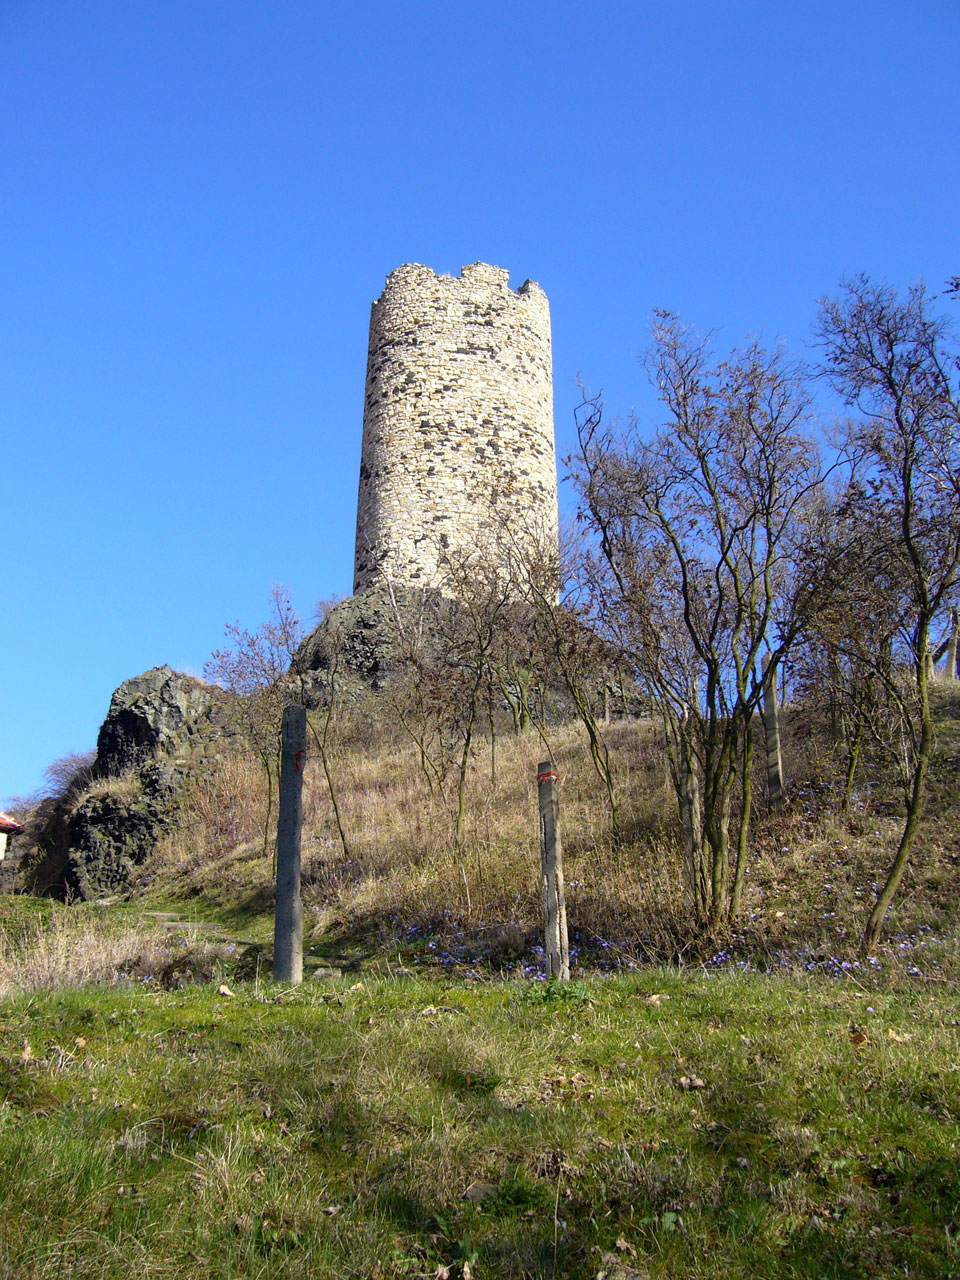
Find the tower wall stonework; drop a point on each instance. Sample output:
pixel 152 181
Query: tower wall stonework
pixel 457 423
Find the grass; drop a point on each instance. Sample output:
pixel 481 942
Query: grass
pixel 664 1124
pixel 45 945
pixel 764 1106
pixel 127 787
pixel 810 881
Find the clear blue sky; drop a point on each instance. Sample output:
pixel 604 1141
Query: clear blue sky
pixel 199 199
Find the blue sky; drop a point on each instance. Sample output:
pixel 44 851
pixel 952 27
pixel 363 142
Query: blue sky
pixel 201 198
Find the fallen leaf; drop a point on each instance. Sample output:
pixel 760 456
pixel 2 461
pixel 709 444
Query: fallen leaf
pixel 858 1037
pixel 224 990
pixel 80 1042
pixel 442 1272
pixel 655 999
pixel 900 1039
pixel 691 1082
pixel 624 1246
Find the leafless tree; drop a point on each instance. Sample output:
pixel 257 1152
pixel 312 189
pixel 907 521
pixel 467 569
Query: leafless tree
pixel 254 668
pixel 697 526
pixel 893 362
pixel 569 650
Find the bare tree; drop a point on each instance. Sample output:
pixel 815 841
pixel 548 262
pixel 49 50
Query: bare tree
pixel 696 574
pixel 570 650
pixel 325 697
pixel 891 360
pixel 254 668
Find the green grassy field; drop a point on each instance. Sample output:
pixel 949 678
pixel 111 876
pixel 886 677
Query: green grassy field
pixel 664 1124
pixel 768 1105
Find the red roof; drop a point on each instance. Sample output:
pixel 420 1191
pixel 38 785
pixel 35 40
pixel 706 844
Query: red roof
pixel 9 826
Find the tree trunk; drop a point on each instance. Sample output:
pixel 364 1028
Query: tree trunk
pixel 692 820
pixel 743 832
pixel 853 759
pixel 914 809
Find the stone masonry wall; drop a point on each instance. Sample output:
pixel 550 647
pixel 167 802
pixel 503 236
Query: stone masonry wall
pixel 458 421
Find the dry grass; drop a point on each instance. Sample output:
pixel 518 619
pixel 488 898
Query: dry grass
pixel 126 788
pixel 809 885
pixel 399 869
pixel 223 811
pixel 73 948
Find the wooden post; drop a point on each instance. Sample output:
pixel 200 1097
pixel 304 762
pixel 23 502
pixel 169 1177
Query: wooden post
pixel 951 667
pixel 288 922
pixel 771 732
pixel 555 943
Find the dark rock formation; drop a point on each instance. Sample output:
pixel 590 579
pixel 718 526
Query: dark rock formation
pixel 358 640
pixel 160 728
pixel 161 711
pixel 109 836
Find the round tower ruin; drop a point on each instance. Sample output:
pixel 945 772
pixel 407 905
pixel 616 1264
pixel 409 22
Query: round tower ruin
pixel 457 423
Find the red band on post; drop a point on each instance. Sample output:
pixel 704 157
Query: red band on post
pixel 542 777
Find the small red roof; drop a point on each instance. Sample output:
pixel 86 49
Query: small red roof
pixel 9 826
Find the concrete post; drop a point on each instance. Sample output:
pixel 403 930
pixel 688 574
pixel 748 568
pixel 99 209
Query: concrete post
pixel 555 943
pixel 771 733
pixel 288 922
pixel 951 665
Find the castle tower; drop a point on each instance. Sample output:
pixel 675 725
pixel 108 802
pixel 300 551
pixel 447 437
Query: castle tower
pixel 457 421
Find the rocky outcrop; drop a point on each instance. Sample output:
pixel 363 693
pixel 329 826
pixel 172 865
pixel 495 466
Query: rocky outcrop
pixel 359 642
pixel 159 712
pixel 108 837
pixel 161 727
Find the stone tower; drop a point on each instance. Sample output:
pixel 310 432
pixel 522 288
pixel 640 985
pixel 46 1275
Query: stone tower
pixel 457 422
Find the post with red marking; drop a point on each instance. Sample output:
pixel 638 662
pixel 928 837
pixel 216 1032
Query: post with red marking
pixel 771 732
pixel 555 944
pixel 288 921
